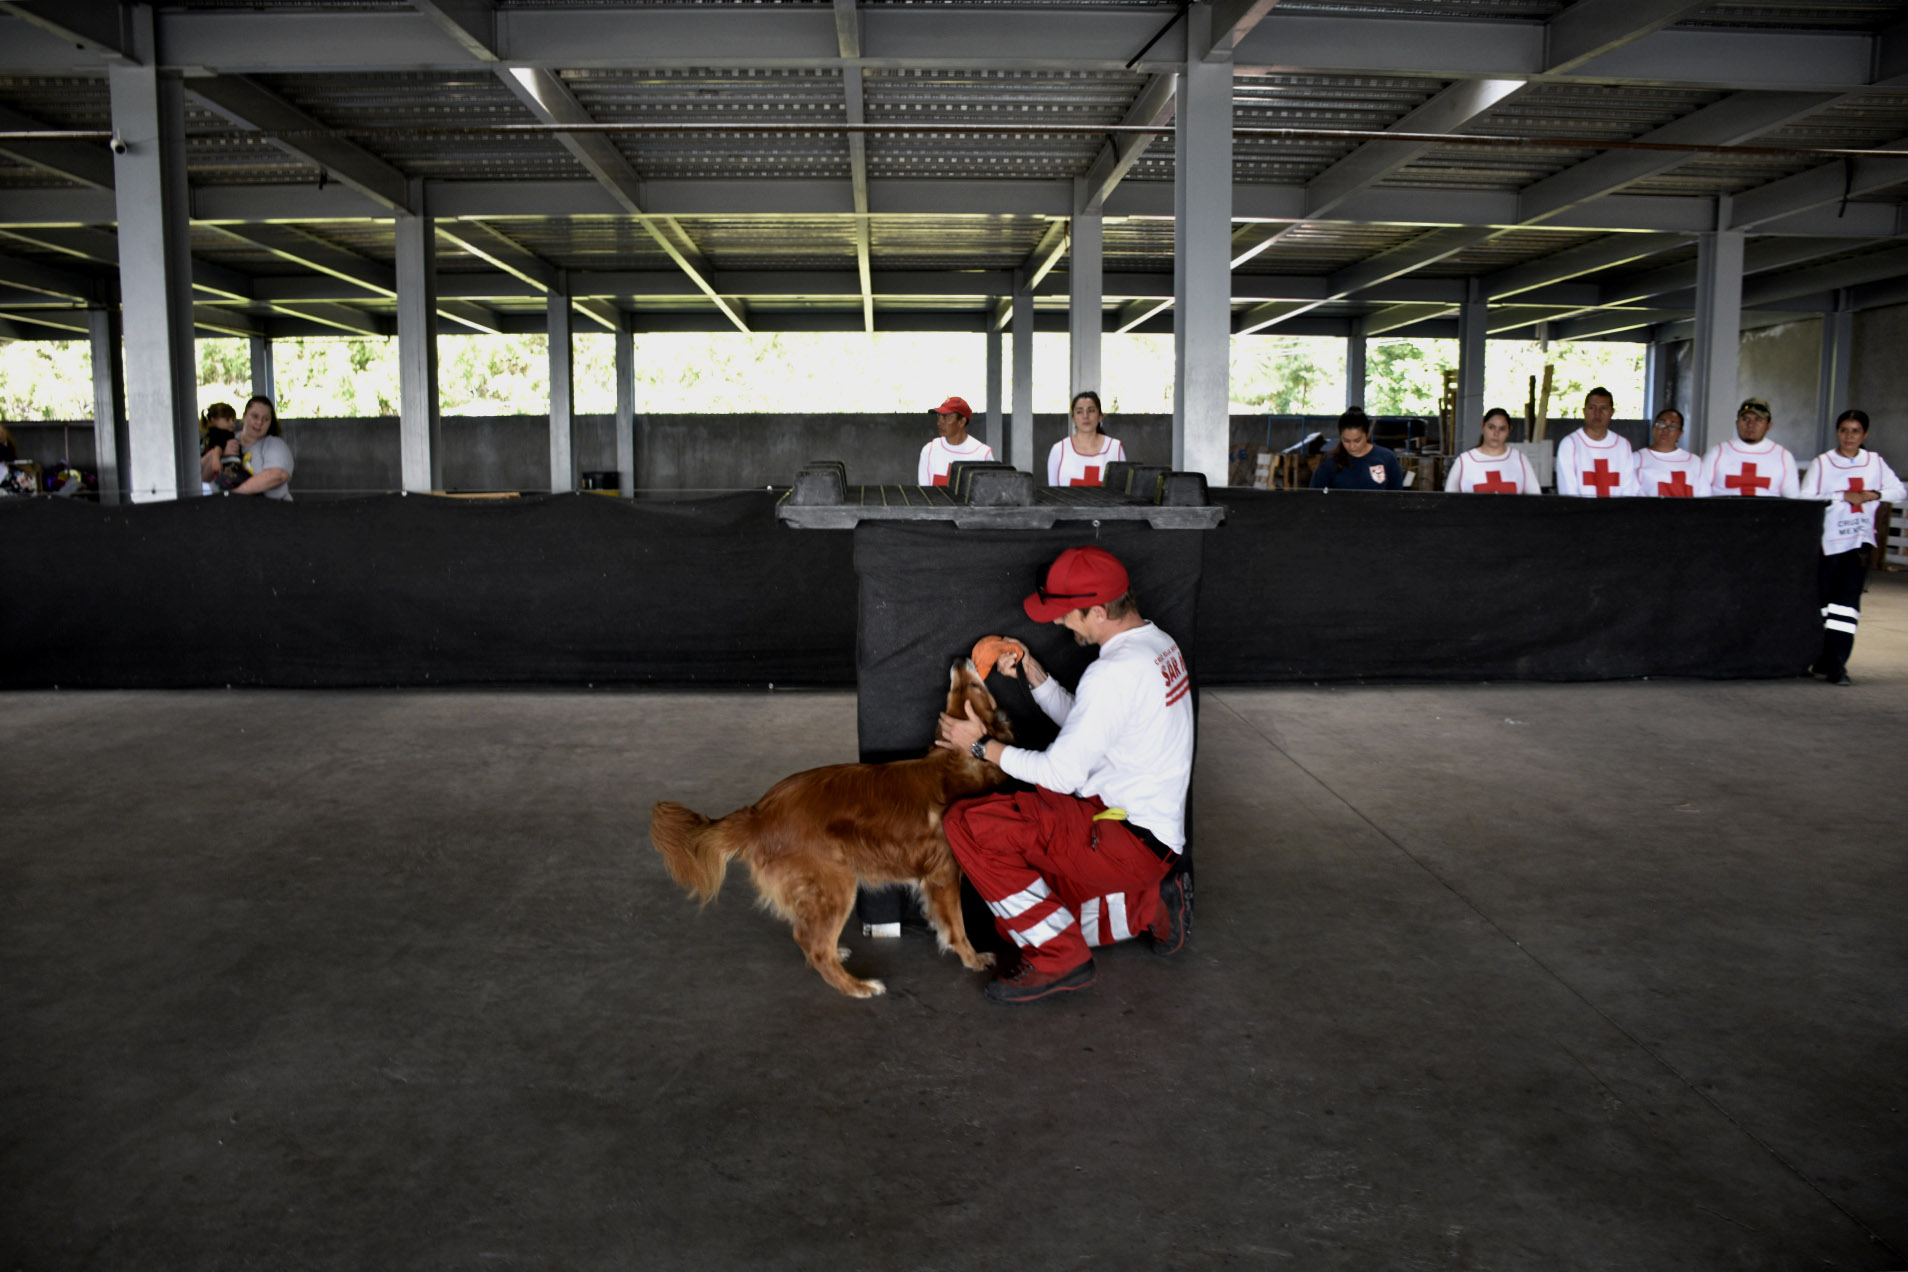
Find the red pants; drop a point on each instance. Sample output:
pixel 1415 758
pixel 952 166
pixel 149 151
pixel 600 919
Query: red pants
pixel 1057 881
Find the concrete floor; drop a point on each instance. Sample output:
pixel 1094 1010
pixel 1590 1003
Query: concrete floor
pixel 1500 976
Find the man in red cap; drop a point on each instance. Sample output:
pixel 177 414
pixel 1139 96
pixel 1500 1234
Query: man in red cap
pixel 1088 856
pixel 950 418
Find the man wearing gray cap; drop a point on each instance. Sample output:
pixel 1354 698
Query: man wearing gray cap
pixel 1750 464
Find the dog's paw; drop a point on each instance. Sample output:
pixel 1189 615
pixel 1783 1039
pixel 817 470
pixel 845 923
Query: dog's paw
pixel 869 989
pixel 982 962
pixel 842 952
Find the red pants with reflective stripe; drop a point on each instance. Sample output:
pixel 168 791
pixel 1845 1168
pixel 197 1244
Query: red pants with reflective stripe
pixel 1057 881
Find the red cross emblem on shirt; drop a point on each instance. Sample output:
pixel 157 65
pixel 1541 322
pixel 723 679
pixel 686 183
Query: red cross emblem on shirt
pixel 1746 482
pixel 1856 486
pixel 1677 486
pixel 1092 478
pixel 1494 484
pixel 1602 478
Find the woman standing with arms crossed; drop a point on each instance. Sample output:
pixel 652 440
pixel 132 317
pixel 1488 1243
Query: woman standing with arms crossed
pixel 1852 480
pixel 1492 467
pixel 1080 458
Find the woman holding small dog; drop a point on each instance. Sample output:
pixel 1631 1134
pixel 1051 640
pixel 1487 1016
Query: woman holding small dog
pixel 1088 856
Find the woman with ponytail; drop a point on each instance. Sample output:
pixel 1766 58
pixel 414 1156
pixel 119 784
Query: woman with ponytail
pixel 1355 463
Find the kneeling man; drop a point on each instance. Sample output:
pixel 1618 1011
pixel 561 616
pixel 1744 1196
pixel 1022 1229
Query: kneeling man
pixel 1088 857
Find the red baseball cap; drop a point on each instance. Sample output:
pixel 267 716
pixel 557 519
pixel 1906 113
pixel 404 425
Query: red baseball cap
pixel 1079 578
pixel 955 406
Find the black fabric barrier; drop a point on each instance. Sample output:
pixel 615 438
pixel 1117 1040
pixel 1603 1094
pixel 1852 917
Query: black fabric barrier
pixel 563 589
pixel 929 591
pixel 1306 585
pixel 576 589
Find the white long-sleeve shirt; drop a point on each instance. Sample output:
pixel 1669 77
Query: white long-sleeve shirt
pixel 1845 525
pixel 1126 736
pixel 1596 470
pixel 1506 474
pixel 1735 467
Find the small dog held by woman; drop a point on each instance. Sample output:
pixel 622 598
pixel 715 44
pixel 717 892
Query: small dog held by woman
pixel 814 835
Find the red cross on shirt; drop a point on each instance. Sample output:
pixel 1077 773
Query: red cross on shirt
pixel 1746 482
pixel 1602 478
pixel 1677 486
pixel 1092 478
pixel 1494 484
pixel 1854 484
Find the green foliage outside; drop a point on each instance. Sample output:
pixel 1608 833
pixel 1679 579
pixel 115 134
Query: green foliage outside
pixel 794 372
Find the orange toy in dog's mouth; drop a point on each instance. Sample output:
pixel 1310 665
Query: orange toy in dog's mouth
pixel 988 649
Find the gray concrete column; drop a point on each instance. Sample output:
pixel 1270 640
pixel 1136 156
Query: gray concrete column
pixel 1832 389
pixel 264 369
pixel 993 435
pixel 1655 384
pixel 109 404
pixel 1084 296
pixel 625 409
pixel 563 471
pixel 1202 260
pixel 420 423
pixel 155 272
pixel 1355 366
pixel 1473 320
pixel 1019 441
pixel 1716 349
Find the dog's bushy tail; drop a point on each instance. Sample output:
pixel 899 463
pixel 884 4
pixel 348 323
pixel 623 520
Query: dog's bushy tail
pixel 695 849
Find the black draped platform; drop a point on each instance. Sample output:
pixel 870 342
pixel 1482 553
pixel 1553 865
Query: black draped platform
pixel 582 589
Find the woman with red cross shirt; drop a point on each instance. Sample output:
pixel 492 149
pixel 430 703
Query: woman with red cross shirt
pixel 1492 467
pixel 1089 854
pixel 1664 470
pixel 1750 464
pixel 1852 481
pixel 1080 458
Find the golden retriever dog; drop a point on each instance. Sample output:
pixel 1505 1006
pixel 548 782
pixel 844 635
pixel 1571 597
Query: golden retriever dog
pixel 814 835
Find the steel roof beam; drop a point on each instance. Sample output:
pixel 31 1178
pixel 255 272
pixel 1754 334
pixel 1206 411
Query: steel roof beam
pixel 97 26
pixel 1574 262
pixel 848 39
pixel 1733 120
pixel 49 280
pixel 304 249
pixel 490 244
pixel 252 106
pixel 1872 268
pixel 479 319
pixel 1233 21
pixel 88 163
pixel 471 24
pixel 1818 187
pixel 451 34
pixel 1593 28
pixel 550 100
pixel 1152 105
pixel 1278 203
pixel 1758 258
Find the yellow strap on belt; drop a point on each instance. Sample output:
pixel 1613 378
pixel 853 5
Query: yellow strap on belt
pixel 1111 814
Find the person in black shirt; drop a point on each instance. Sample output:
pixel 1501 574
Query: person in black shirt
pixel 1356 464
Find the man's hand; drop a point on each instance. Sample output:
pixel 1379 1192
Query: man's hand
pixel 1036 674
pixel 957 734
